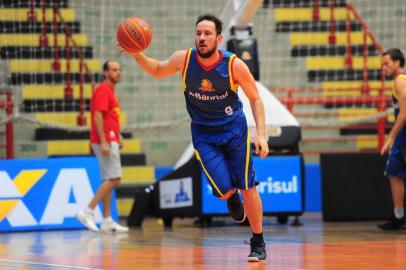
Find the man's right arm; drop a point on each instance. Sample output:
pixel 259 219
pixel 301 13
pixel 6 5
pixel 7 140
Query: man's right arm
pixel 401 119
pixel 160 69
pixel 98 121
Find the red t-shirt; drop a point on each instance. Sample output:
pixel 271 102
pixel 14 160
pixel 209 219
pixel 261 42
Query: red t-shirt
pixel 104 99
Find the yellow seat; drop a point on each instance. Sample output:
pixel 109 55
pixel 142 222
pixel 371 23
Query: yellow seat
pixel 82 147
pixel 355 113
pixel 69 118
pixel 124 206
pixel 53 91
pixel 364 142
pixel 338 62
pixel 306 14
pixel 322 38
pixel 21 14
pixel 45 65
pixel 353 88
pixel 138 175
pixel 33 39
pixel 352 84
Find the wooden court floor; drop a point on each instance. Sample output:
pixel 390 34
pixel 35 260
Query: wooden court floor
pixel 315 245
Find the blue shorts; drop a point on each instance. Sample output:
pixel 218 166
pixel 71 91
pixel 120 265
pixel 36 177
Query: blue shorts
pixel 225 155
pixel 396 165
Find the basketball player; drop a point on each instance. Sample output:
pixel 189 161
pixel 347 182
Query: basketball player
pixel 106 142
pixel 393 62
pixel 219 129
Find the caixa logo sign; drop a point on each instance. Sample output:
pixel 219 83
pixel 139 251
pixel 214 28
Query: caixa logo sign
pixel 46 193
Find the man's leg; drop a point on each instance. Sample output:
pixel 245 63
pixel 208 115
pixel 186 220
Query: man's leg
pixel 253 209
pixel 215 167
pixel 104 193
pixel 235 205
pixel 398 195
pixel 398 191
pixel 398 220
pixel 239 154
pixel 85 216
pixel 111 171
pixel 395 168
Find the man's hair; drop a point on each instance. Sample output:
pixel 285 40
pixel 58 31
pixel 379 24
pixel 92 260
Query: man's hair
pixel 209 17
pixel 106 65
pixel 396 54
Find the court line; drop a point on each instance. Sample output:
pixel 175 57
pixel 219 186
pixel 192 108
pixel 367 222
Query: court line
pixel 49 264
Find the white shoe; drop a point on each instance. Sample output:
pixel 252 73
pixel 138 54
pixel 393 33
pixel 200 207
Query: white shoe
pixel 111 226
pixel 87 219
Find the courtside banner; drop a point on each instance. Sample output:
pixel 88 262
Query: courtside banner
pixel 176 193
pixel 280 186
pixel 45 194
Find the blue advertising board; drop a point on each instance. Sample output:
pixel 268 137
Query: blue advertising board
pixel 280 186
pixel 45 194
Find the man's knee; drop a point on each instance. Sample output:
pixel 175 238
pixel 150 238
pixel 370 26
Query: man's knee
pixel 115 182
pixel 249 192
pixel 228 194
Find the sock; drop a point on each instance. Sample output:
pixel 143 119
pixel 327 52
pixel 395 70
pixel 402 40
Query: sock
pixel 258 236
pixel 89 210
pixel 107 219
pixel 399 212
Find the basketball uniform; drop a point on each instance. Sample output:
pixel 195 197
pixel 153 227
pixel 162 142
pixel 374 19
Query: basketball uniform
pixel 219 128
pixel 396 165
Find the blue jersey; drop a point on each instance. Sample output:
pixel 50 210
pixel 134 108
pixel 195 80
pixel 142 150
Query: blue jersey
pixel 402 134
pixel 396 165
pixel 210 92
pixel 394 96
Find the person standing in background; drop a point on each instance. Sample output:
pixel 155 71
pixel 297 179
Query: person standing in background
pixel 393 62
pixel 106 142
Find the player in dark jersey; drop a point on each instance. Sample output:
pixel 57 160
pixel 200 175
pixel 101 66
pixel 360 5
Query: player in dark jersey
pixel 219 129
pixel 393 62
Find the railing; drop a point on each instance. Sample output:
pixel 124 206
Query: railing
pixel 316 10
pixel 365 89
pixel 367 34
pixel 332 36
pixel 379 101
pixel 56 65
pixel 290 100
pixel 8 104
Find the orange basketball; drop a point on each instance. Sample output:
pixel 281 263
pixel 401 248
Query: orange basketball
pixel 134 35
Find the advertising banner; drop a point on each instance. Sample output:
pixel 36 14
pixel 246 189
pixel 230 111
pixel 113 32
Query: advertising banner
pixel 280 186
pixel 176 193
pixel 45 194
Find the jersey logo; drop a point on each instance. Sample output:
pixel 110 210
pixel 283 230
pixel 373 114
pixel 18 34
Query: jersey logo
pixel 206 86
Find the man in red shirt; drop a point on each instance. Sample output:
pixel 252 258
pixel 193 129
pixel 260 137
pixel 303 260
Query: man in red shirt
pixel 106 142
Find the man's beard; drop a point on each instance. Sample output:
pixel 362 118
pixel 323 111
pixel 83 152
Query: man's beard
pixel 206 54
pixel 115 79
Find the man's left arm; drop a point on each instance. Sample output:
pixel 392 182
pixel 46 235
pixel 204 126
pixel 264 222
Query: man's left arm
pixel 244 78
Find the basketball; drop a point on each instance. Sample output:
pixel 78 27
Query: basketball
pixel 134 35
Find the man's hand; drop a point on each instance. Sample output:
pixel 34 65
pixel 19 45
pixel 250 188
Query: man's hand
pixel 124 51
pixel 105 147
pixel 121 142
pixel 387 145
pixel 261 147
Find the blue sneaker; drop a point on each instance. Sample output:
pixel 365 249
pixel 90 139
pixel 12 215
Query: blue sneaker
pixel 258 250
pixel 394 224
pixel 236 208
